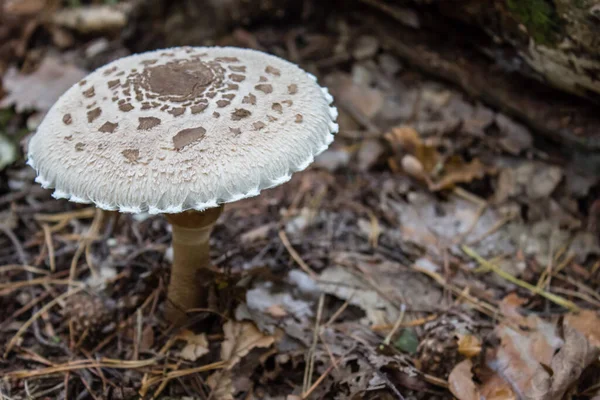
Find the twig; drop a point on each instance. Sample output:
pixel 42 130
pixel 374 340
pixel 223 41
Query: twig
pixel 307 393
pixel 310 359
pixel 339 310
pixel 81 364
pixel 50 246
pixel 295 255
pixel 180 373
pixel 34 317
pixel 389 336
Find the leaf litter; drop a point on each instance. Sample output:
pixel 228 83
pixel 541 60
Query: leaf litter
pixel 433 251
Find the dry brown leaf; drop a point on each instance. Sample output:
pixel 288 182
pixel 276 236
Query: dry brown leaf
pixel 221 385
pixel 439 174
pixel 460 382
pixel 525 358
pixel 407 140
pixel 363 99
pixel 587 322
pixel 522 354
pixel 39 90
pixel 196 347
pixel 456 170
pixel 567 366
pixel 469 345
pixel 240 339
pixel 497 389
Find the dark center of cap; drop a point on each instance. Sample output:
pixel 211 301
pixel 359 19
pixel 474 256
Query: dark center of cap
pixel 181 80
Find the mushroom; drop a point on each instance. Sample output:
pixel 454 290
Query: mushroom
pixel 180 132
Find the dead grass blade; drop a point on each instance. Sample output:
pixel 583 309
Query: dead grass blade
pixel 505 275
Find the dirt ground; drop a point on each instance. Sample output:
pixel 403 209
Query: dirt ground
pixel 439 249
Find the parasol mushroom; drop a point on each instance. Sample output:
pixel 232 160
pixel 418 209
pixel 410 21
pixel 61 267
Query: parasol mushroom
pixel 180 132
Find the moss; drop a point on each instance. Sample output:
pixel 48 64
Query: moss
pixel 539 17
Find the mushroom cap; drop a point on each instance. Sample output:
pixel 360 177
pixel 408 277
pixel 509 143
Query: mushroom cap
pixel 182 128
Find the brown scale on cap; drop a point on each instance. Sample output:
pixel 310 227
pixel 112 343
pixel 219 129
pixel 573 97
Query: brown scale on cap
pixel 147 123
pixel 186 137
pixel 108 127
pixel 125 107
pixel 79 146
pixel 132 155
pixel 223 103
pixel 227 59
pixel 93 114
pixel 229 96
pixel 288 103
pixel 177 111
pixel 250 99
pixel 293 88
pixel 114 83
pixel 216 115
pixel 109 71
pixel 240 113
pixel 265 88
pixel 277 107
pixel 237 77
pixel 67 119
pixel 89 92
pixel 263 79
pixel 198 108
pixel 272 70
pixel 258 125
pixel 236 68
pixel 299 118
pixel 235 131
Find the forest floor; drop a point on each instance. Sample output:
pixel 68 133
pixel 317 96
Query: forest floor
pixel 437 250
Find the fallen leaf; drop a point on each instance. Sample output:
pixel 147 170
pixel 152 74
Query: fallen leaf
pixel 422 160
pixel 586 322
pixel 40 89
pixel 365 100
pixel 240 339
pixel 538 363
pixel 521 355
pixel 460 382
pixel 456 170
pixel 339 282
pixel 496 388
pixel 566 367
pixel 469 345
pixel 529 179
pixel 221 385
pixel 196 347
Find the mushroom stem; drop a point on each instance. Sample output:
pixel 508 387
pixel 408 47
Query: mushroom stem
pixel 191 254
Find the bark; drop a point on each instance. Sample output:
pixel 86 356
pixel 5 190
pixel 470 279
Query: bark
pixel 483 48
